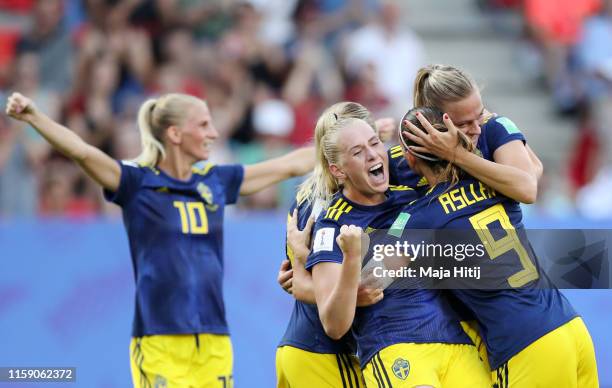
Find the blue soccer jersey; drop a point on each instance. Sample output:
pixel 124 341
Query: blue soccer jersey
pixel 529 306
pixel 496 132
pixel 175 232
pixel 305 330
pixel 399 171
pixel 403 315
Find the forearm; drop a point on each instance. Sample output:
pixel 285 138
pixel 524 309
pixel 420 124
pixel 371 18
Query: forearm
pixel 60 137
pixel 538 167
pixel 261 175
pixel 99 166
pixel 299 162
pixel 508 180
pixel 337 311
pixel 303 287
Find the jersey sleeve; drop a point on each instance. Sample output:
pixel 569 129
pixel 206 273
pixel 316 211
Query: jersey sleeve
pixel 324 246
pixel 231 177
pixel 499 131
pixel 129 183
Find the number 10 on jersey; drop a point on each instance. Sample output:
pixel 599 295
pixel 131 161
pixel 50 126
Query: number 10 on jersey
pixel 193 217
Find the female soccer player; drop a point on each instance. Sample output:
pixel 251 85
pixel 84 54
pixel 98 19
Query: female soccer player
pixel 173 214
pixel 506 158
pixel 533 336
pixel 306 356
pixel 411 337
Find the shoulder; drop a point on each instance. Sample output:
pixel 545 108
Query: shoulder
pixel 338 212
pixel 132 170
pixel 402 194
pixel 324 235
pixel 395 152
pixel 224 172
pixel 203 169
pixel 501 123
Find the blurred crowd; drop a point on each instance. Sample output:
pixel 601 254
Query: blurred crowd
pixel 569 50
pixel 267 69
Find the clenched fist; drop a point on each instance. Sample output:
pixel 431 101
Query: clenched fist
pixel 349 241
pixel 20 107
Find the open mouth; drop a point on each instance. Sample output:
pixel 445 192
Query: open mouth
pixel 377 173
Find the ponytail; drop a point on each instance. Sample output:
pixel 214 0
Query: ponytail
pixel 437 85
pixel 154 117
pixel 152 148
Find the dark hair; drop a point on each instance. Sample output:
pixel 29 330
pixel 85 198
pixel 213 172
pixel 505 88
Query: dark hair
pixel 443 168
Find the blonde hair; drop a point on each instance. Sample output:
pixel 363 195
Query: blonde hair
pixel 154 117
pixel 437 85
pixel 445 170
pixel 322 184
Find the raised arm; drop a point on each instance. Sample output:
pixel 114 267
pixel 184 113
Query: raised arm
pixel 336 285
pixel 512 173
pixel 99 166
pixel 297 280
pixel 261 175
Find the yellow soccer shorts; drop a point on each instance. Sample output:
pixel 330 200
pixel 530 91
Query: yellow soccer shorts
pixel 182 361
pixel 297 368
pixel 472 329
pixel 408 365
pixel 563 358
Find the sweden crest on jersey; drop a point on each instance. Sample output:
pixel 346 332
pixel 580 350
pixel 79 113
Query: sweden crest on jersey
pixel 205 193
pixel 401 368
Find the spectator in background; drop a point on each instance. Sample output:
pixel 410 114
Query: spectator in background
pixel 555 27
pixel 393 52
pixel 50 40
pixel 24 151
pixel 273 121
pixel 594 53
pixel 109 56
pixel 314 82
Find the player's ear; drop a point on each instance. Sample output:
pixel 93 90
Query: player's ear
pixel 337 173
pixel 174 134
pixel 410 158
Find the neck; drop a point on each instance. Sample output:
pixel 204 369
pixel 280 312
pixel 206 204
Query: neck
pixel 176 166
pixel 432 178
pixel 362 198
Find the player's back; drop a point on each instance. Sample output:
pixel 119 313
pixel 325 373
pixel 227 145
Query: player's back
pixel 528 305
